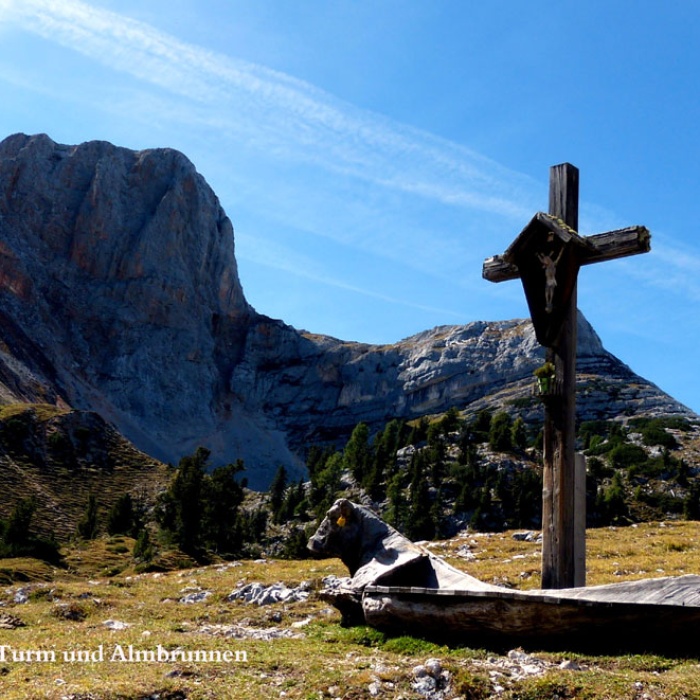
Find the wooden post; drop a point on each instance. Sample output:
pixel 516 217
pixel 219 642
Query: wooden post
pixel 558 560
pixel 580 521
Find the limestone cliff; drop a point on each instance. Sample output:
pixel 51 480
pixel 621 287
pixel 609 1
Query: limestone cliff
pixel 119 293
pixel 318 387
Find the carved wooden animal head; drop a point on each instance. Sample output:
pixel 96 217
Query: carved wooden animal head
pixel 340 534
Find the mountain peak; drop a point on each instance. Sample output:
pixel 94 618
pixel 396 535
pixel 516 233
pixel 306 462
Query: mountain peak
pixel 119 293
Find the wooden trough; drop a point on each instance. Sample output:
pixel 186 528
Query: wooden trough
pixel 660 615
pixel 402 588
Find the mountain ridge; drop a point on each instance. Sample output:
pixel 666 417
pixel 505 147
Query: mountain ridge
pixel 120 294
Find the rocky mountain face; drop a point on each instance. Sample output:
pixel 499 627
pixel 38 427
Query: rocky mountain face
pixel 119 294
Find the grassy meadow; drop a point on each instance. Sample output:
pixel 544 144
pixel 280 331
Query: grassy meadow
pixel 88 633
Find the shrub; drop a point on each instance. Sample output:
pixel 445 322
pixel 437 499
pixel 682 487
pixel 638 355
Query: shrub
pixel 58 441
pixel 143 549
pixel 611 502
pixel 654 435
pixel 625 455
pixel 15 431
pixel 412 646
pixel 70 611
pixel 295 544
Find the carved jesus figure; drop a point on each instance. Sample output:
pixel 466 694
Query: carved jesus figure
pixel 549 263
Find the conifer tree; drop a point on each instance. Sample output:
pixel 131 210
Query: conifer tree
pixel 450 421
pixel 120 519
pixel 691 505
pixel 437 452
pixel 397 513
pixel 481 425
pixel 357 454
pixel 325 483
pixel 180 508
pixel 276 492
pixel 222 495
pixel 420 524
pixel 500 439
pixel 88 524
pixel 518 433
pixel 17 535
pixel 143 549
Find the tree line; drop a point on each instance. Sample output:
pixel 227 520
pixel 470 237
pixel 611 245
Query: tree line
pixel 428 478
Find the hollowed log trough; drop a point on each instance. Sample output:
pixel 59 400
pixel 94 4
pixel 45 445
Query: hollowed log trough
pixel 400 587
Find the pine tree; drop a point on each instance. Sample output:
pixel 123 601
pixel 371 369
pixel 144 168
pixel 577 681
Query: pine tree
pixel 88 525
pixel 357 454
pixel 611 501
pixel 179 510
pixel 518 433
pixel 437 453
pixel 276 492
pixel 450 421
pixel 120 519
pixel 222 496
pixel 500 439
pixel 419 432
pixel 17 535
pixel 294 499
pixel 481 425
pixel 325 483
pixel 420 524
pixel 691 505
pixel 397 512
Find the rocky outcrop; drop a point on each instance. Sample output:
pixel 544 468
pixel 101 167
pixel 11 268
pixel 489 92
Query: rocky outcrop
pixel 319 388
pixel 119 288
pixel 119 293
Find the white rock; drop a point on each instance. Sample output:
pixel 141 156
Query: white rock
pixel 116 624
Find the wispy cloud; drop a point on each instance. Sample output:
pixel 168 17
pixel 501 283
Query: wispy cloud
pixel 292 120
pixel 280 112
pixel 672 268
pixel 276 256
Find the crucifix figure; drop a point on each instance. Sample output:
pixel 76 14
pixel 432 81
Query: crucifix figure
pixel 550 285
pixel 549 263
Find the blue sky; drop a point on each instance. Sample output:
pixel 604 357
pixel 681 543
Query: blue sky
pixel 371 154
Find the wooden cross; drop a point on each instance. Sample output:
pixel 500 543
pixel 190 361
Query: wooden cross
pixel 546 256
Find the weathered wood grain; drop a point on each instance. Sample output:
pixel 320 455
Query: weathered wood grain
pixel 621 243
pixel 403 587
pixel 652 614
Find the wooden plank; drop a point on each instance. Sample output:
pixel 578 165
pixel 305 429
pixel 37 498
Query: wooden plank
pixel 610 245
pixel 665 591
pixel 621 243
pixel 496 269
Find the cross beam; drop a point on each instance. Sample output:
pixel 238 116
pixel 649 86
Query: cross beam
pixel 546 257
pixel 610 245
